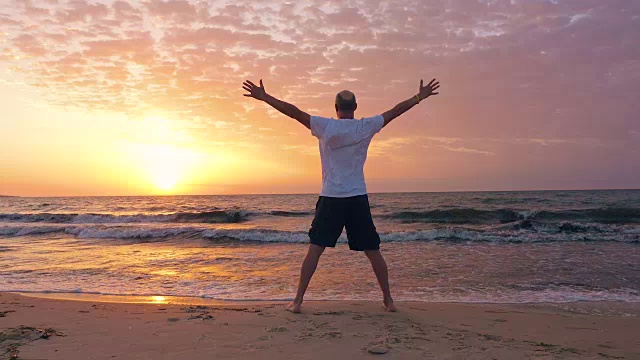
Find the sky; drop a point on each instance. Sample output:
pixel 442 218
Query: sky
pixel 145 97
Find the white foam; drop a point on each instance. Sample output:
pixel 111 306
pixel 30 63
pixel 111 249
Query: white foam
pixel 111 219
pixel 27 230
pixel 587 232
pixel 258 235
pixel 93 232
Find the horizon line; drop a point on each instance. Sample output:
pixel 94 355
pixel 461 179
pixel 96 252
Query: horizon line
pixel 315 193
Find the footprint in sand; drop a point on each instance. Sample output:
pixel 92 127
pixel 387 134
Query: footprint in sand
pixel 278 329
pixel 377 350
pixel 331 335
pixel 339 312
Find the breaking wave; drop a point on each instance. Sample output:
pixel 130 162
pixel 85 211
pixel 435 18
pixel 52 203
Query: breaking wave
pixel 290 213
pixel 217 216
pixel 607 215
pixel 518 232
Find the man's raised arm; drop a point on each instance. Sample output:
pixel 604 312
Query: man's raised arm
pixel 401 108
pixel 258 92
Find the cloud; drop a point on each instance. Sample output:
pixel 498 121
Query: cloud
pixel 307 150
pixel 318 45
pixel 178 10
pixel 443 140
pixel 467 150
pixel 81 11
pixel 558 77
pixel 386 146
pixel 391 145
pixel 548 142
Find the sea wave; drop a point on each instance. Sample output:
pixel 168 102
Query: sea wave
pixel 513 233
pixel 607 215
pixel 290 213
pixel 216 216
pixel 454 216
pixel 458 216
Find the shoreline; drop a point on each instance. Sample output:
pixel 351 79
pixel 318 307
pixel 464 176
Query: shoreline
pixel 140 299
pixel 65 329
pixel 194 300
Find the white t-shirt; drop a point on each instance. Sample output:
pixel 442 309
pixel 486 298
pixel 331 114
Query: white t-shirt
pixel 343 151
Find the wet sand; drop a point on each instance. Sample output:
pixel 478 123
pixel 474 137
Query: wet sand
pixel 43 328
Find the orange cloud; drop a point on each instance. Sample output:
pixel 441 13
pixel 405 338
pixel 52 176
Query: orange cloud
pixel 531 70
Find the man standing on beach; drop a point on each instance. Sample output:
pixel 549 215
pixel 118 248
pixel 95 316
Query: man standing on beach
pixel 343 202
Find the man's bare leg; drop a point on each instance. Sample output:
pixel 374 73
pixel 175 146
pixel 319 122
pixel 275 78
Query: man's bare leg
pixel 382 274
pixel 308 268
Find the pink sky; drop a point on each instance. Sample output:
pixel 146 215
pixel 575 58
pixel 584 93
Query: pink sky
pixel 535 94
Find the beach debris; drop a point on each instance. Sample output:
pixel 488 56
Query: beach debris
pixel 193 309
pixel 607 356
pixel 11 339
pixel 393 340
pixel 201 316
pixel 240 309
pixel 4 313
pixel 492 337
pixel 377 350
pixel 203 312
pixel 13 350
pixel 246 310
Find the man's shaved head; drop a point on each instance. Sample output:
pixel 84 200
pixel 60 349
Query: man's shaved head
pixel 346 101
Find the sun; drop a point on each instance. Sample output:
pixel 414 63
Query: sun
pixel 165 168
pixel 166 182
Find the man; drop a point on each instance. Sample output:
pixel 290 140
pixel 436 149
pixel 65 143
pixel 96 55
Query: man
pixel 343 202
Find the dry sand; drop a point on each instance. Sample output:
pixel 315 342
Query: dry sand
pixel 61 329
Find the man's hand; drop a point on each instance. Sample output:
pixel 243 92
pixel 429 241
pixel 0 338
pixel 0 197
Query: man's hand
pixel 256 92
pixel 423 93
pixel 426 91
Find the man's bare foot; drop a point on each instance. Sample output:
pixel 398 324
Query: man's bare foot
pixel 293 307
pixel 389 306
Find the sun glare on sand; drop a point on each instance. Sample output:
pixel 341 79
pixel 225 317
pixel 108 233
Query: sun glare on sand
pixel 158 299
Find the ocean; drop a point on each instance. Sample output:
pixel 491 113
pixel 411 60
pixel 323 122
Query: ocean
pixel 495 247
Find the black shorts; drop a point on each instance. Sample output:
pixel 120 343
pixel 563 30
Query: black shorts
pixel 334 214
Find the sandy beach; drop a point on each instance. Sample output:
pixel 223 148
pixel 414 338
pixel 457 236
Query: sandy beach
pixel 43 328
